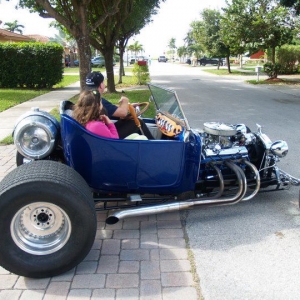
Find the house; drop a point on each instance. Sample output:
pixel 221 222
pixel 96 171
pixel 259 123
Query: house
pixel 8 36
pixel 258 55
pixel 39 38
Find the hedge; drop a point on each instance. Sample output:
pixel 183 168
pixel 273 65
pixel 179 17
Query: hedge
pixel 288 56
pixel 30 65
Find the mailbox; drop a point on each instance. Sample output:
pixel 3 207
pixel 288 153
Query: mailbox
pixel 142 63
pixel 258 69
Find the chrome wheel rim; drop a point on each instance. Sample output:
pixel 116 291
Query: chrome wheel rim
pixel 40 228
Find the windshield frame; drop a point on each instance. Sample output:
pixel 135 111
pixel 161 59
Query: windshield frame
pixel 167 103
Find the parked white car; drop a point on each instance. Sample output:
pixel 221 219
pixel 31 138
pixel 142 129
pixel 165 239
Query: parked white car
pixel 162 58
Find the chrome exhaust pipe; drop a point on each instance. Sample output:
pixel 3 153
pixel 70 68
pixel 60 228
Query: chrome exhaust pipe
pixel 221 180
pixel 242 186
pixel 257 178
pixel 149 210
pixel 161 208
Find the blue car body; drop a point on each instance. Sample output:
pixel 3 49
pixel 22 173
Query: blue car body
pixel 131 166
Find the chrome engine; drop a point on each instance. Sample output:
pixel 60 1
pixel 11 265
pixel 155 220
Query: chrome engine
pixel 226 139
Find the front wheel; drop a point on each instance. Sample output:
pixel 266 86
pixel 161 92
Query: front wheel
pixel 55 156
pixel 47 219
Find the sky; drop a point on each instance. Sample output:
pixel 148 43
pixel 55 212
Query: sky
pixel 32 22
pixel 172 21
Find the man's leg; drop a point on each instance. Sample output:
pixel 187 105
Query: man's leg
pixel 127 127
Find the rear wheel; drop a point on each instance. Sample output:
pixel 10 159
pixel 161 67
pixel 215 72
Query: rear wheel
pixel 47 219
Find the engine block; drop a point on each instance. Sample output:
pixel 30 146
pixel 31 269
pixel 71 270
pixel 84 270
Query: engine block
pixel 221 139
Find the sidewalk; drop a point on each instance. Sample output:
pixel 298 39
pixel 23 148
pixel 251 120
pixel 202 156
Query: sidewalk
pixel 137 258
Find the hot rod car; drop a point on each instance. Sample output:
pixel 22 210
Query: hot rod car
pixel 65 174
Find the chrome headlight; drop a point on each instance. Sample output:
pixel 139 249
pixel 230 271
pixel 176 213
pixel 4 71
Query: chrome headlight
pixel 279 148
pixel 35 134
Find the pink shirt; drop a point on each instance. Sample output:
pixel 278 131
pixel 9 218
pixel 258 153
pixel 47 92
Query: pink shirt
pixel 99 128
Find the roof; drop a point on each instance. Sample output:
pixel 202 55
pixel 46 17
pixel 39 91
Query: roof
pixel 39 38
pixel 8 36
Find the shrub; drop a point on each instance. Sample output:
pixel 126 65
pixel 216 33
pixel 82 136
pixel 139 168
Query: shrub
pixel 140 74
pixel 30 65
pixel 272 70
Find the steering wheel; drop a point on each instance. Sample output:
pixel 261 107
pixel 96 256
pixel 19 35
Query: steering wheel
pixel 134 116
pixel 137 113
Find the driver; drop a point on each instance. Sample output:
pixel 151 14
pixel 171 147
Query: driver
pixel 124 127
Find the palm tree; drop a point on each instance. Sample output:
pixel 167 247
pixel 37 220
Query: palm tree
pixel 13 26
pixel 135 47
pixel 172 46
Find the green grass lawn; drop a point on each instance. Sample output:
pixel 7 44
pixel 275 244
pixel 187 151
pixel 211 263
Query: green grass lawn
pixel 249 68
pixel 7 141
pixel 233 72
pixel 279 81
pixel 116 69
pixel 13 97
pixel 71 70
pixel 282 80
pixel 67 80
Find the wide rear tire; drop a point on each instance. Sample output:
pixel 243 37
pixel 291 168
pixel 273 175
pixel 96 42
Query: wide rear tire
pixel 47 219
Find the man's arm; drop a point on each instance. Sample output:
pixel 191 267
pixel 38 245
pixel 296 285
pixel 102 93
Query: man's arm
pixel 122 110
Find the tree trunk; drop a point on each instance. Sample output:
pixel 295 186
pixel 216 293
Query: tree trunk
pixel 228 64
pixel 121 70
pixel 273 55
pixel 84 53
pixel 82 37
pixel 108 56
